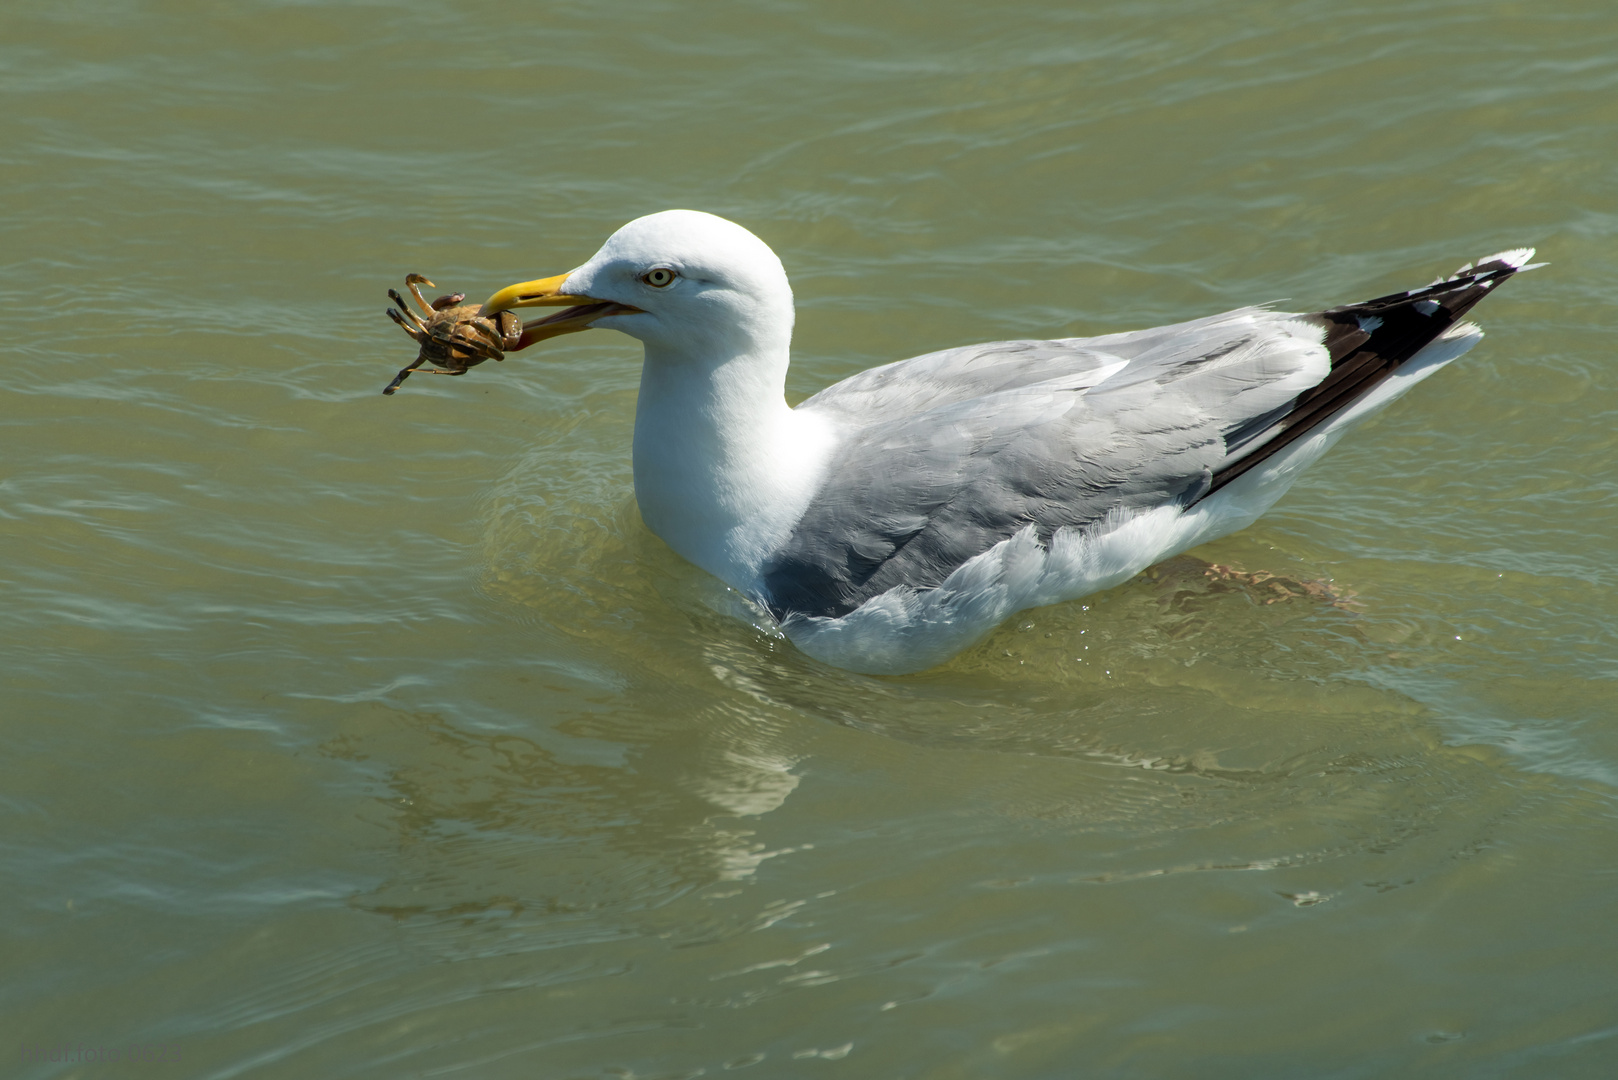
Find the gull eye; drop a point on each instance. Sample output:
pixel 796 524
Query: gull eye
pixel 660 278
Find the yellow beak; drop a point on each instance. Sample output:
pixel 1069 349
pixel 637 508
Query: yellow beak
pixel 546 292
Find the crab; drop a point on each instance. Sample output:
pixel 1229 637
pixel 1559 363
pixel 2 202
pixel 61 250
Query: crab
pixel 453 336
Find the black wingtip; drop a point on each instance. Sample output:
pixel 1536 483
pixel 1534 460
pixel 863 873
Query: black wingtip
pixel 1367 342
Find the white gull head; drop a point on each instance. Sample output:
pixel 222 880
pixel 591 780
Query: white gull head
pixel 723 468
pixel 706 287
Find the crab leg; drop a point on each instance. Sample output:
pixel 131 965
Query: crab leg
pixel 404 307
pixel 419 335
pixel 405 373
pixel 494 339
pixel 397 379
pixel 414 282
pixel 480 349
pixel 470 337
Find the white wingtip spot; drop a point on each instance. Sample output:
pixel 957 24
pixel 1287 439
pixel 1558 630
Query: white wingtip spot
pixel 1426 307
pixel 1370 323
pixel 1516 257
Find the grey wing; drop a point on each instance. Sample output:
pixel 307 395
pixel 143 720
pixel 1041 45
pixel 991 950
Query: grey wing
pixel 1140 421
pixel 975 371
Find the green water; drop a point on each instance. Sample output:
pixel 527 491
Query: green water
pixel 352 736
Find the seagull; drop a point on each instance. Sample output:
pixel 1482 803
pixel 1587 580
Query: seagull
pixel 895 518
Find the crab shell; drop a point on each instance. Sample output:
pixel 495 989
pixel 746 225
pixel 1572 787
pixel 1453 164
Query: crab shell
pixel 458 338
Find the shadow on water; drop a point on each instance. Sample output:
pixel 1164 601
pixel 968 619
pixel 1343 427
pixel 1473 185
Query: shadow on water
pixel 1196 698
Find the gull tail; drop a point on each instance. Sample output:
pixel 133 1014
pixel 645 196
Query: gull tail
pixel 1368 342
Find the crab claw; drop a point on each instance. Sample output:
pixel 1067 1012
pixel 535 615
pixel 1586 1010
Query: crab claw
pixel 448 301
pixel 413 282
